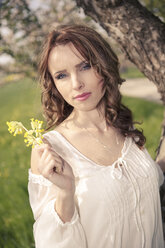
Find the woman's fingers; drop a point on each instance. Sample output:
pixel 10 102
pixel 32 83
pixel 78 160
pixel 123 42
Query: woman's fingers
pixel 52 159
pixel 50 153
pixel 51 174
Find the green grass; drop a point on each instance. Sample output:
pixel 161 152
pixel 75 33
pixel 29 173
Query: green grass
pixel 132 72
pixel 20 101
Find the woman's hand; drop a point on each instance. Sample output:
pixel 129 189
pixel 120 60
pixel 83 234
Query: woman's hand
pixel 54 168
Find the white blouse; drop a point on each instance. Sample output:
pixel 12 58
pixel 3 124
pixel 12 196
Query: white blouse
pixel 116 206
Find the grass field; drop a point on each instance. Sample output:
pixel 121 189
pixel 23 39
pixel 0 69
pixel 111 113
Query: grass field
pixel 21 101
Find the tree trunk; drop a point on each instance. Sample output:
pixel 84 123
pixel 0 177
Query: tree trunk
pixel 141 37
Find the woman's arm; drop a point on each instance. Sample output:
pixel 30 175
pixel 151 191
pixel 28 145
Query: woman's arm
pixel 161 157
pixel 161 163
pixel 52 199
pixel 65 207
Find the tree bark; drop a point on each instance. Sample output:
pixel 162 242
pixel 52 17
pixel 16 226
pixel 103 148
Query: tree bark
pixel 140 34
pixel 141 37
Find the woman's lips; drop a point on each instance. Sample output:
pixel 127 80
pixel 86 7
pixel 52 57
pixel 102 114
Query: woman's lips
pixel 83 96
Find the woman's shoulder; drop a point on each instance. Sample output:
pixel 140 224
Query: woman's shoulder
pixel 64 130
pixel 58 130
pixel 58 137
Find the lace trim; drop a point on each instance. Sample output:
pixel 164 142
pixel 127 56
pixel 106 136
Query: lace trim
pixel 50 208
pixel 38 179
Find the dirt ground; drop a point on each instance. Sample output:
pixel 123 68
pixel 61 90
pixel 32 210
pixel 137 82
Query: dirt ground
pixel 142 88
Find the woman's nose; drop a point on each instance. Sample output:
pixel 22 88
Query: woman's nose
pixel 77 82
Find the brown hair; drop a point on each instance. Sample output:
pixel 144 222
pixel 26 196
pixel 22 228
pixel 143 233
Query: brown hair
pixel 99 54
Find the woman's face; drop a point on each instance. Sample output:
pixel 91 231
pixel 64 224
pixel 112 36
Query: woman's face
pixel 75 79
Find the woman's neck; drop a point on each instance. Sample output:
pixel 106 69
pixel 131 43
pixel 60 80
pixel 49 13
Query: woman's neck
pixel 93 120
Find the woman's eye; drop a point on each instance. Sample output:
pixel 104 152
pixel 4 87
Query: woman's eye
pixel 86 66
pixel 61 76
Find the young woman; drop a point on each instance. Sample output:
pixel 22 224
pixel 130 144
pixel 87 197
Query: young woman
pixel 93 183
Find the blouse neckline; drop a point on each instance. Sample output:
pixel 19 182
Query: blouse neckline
pixel 123 150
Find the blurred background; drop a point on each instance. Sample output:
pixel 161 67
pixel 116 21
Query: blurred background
pixel 23 27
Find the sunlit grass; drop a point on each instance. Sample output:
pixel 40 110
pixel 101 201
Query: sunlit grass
pixel 21 101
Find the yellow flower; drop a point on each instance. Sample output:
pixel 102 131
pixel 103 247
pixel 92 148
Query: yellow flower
pixel 31 140
pixel 32 137
pixel 36 125
pixel 15 127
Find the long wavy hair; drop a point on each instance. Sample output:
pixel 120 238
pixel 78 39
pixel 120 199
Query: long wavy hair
pixel 101 57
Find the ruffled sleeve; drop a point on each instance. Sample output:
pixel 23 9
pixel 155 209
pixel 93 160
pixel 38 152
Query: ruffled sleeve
pixel 49 230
